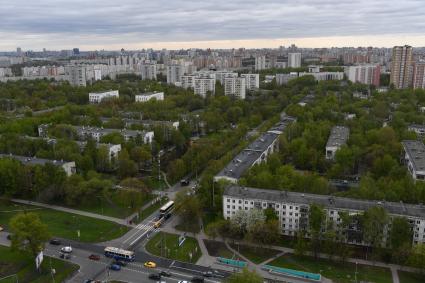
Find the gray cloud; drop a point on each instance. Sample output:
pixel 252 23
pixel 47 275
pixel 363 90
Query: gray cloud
pixel 176 20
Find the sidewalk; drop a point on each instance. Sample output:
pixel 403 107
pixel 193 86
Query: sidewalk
pixel 74 211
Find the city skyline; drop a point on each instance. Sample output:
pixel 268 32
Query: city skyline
pixel 199 24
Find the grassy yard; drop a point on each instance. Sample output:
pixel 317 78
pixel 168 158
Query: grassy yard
pixel 65 225
pixel 218 249
pixel 339 273
pixel 407 277
pixel 173 251
pixel 12 262
pixel 256 255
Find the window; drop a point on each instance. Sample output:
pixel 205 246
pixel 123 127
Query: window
pixel 240 201
pixel 228 206
pixel 290 207
pixel 277 206
pixel 233 201
pixel 246 202
pixel 228 200
pixel 296 208
pixel 233 206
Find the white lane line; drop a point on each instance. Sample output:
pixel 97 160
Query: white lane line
pixel 147 231
pixel 142 226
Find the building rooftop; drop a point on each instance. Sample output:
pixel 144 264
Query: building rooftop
pixel 102 91
pixel 149 93
pixel 83 129
pixel 338 136
pixel 327 201
pixel 416 126
pixel 416 152
pixel 33 160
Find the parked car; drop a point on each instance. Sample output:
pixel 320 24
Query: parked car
pixel 208 274
pixel 154 276
pixel 67 249
pixel 55 242
pixel 183 281
pixel 65 255
pixel 115 267
pixel 150 264
pixel 94 257
pixel 165 273
pixel 184 182
pixel 197 279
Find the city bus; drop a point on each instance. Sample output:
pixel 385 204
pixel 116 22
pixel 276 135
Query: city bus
pixel 166 209
pixel 119 254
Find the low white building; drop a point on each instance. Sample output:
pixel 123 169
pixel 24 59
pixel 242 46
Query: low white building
pixel 324 76
pixel 283 79
pixel 252 81
pixel 414 158
pixel 338 137
pixel 97 97
pixel 68 166
pixel 148 96
pixel 418 129
pixel 235 87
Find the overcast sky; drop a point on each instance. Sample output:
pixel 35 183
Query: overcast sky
pixel 135 24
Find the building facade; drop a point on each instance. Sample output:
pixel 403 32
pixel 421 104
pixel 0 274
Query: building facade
pixel 235 87
pixel 369 74
pixel 294 60
pixel 148 96
pixel 419 75
pixel 252 81
pixel 402 67
pixel 98 97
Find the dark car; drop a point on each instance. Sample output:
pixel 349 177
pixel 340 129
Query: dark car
pixel 120 263
pixel 208 274
pixel 65 256
pixel 197 279
pixel 55 242
pixel 184 182
pixel 165 273
pixel 154 276
pixel 115 267
pixel 94 257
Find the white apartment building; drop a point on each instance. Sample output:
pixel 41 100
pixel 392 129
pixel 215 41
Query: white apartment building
pixel 174 73
pixel 97 133
pixel 292 210
pixel 260 63
pixel 252 81
pixel 5 72
pixel 76 75
pixel 418 129
pixel 235 87
pixel 221 75
pixel 324 76
pixel 294 60
pixel 283 79
pixel 148 96
pixel 148 71
pixel 414 158
pixel 365 73
pixel 337 138
pixel 188 81
pixel 203 86
pixel 97 97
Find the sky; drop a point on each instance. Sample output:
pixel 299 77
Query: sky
pixel 175 24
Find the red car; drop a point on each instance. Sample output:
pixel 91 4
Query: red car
pixel 94 257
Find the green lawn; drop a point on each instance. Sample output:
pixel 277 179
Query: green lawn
pixel 339 273
pixel 65 225
pixel 172 250
pixel 13 262
pixel 407 277
pixel 218 249
pixel 256 255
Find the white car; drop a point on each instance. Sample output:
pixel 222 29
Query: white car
pixel 183 281
pixel 67 249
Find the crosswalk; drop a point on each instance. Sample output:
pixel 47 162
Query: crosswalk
pixel 138 232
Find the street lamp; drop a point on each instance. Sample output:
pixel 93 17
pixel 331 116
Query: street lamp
pixel 355 274
pixel 101 202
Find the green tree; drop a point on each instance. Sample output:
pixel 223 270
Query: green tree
pixel 29 233
pixel 245 276
pixel 188 207
pixel 126 166
pixel 316 221
pixel 417 256
pixel 374 221
pixel 400 239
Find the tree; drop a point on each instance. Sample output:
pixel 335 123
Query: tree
pixel 374 221
pixel 245 276
pixel 29 233
pixel 270 214
pixel 400 239
pixel 316 219
pixel 188 207
pixel 301 244
pixel 126 167
pixel 417 257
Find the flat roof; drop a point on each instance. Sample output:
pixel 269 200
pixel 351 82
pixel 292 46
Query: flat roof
pixel 338 136
pixel 327 201
pixel 149 93
pixel 416 126
pixel 82 129
pixel 102 91
pixel 33 160
pixel 416 152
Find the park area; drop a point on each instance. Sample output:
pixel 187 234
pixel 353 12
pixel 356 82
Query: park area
pixel 65 225
pixel 407 277
pixel 334 270
pixel 23 265
pixel 167 245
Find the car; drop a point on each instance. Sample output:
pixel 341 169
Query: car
pixel 165 273
pixel 55 242
pixel 67 249
pixel 150 264
pixel 154 276
pixel 184 182
pixel 65 255
pixel 197 279
pixel 120 263
pixel 208 274
pixel 94 257
pixel 115 267
pixel 183 281
pixel 92 281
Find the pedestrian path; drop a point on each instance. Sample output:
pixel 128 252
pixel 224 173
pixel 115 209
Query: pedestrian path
pixel 74 211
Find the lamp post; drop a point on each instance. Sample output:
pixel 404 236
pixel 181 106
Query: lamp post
pixel 101 203
pixel 355 274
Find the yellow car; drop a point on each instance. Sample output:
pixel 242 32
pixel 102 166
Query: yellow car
pixel 150 264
